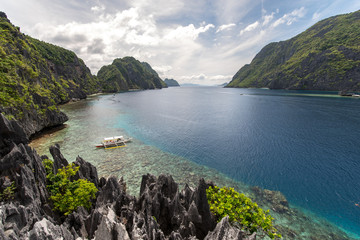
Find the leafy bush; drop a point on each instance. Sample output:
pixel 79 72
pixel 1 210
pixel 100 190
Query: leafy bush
pixel 241 210
pixel 67 195
pixel 8 193
pixel 48 165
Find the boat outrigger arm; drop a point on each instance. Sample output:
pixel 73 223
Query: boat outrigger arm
pixel 113 142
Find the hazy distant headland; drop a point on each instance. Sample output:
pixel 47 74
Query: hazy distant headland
pixel 171 82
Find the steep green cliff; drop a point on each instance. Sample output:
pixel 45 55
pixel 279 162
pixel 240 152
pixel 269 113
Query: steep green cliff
pixel 324 57
pixel 36 76
pixel 128 73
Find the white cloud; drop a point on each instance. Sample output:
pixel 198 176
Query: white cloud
pixel 124 33
pixel 225 27
pixel 141 38
pixel 335 7
pixel 186 33
pixel 162 70
pixel 290 18
pixel 98 8
pixel 250 27
pixel 316 16
pixel 172 49
pixel 261 32
pixel 158 8
pixel 248 44
pixel 203 79
pixel 267 19
pixel 233 10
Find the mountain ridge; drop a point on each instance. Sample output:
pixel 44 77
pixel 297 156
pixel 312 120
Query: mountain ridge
pixel 128 73
pixel 323 57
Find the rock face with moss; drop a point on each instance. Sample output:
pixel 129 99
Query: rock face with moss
pixel 128 73
pixel 36 76
pixel 324 57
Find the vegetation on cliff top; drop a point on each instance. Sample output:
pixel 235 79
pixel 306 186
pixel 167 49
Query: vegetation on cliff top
pixel 68 195
pixel 324 57
pixel 244 213
pixel 128 73
pixel 36 76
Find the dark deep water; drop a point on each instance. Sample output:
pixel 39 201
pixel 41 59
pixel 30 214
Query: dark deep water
pixel 304 144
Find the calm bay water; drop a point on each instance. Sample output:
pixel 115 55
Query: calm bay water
pixel 303 144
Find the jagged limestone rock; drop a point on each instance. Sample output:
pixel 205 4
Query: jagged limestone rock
pixel 44 229
pixel 59 160
pixel 110 228
pixel 161 212
pixel 224 231
pixel 86 171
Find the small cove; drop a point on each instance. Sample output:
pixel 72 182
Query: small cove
pixel 279 140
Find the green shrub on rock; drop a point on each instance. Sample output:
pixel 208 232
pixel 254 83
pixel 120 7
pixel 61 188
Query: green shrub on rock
pixel 68 195
pixel 241 211
pixel 8 193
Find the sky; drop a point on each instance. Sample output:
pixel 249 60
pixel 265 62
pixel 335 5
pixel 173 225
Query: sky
pixel 201 42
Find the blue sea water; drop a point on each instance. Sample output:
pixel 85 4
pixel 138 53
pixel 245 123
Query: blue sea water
pixel 304 144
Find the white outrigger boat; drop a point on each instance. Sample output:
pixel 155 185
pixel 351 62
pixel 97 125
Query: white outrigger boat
pixel 113 142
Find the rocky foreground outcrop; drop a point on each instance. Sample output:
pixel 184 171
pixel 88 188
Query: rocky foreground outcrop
pixel 160 212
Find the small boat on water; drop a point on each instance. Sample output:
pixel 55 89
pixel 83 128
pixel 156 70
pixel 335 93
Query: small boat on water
pixel 113 142
pixel 348 94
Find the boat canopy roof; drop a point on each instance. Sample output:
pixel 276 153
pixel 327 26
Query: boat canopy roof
pixel 113 138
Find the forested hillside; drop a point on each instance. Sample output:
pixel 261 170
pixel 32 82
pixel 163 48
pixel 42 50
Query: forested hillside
pixel 128 73
pixel 324 57
pixel 36 76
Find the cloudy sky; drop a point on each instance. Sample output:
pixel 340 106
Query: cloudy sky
pixel 201 41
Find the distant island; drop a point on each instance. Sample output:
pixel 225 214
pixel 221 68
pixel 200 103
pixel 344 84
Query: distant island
pixel 324 57
pixel 128 73
pixel 171 82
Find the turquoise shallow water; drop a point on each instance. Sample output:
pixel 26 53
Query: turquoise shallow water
pixel 302 144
